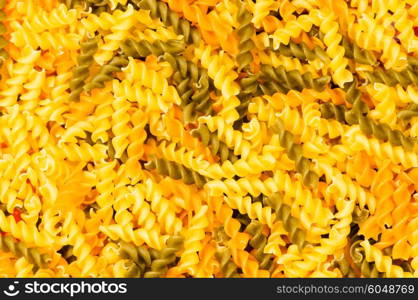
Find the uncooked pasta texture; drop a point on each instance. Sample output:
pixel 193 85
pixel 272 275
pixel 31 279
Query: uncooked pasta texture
pixel 208 138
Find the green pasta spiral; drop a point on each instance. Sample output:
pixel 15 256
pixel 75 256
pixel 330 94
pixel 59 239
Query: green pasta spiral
pixel 176 171
pixel 140 49
pixel 186 75
pixel 166 257
pixel 139 255
pixel 353 96
pixel 408 113
pixel 362 56
pixel 391 78
pixel 367 269
pixel 193 85
pixel 132 270
pixel 250 87
pixel 170 18
pixel 351 50
pixel 258 241
pixel 280 80
pixel 369 127
pixel 19 249
pixel 211 140
pixel 81 72
pixel 106 71
pixel 245 31
pixel 228 268
pixel 295 152
pixel 302 51
pixel 283 213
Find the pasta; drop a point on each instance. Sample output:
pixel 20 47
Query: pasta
pixel 209 138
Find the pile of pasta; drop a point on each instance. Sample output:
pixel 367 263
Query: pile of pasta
pixel 209 138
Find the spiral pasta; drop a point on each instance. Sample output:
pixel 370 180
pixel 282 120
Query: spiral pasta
pixel 208 138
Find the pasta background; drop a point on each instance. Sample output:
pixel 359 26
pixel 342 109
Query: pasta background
pixel 224 138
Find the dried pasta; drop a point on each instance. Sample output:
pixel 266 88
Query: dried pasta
pixel 219 139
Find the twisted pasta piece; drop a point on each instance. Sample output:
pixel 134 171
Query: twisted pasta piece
pixel 302 51
pixel 159 9
pixel 351 49
pixel 176 171
pixel 162 207
pixel 259 242
pixel 138 254
pixel 404 25
pixel 294 151
pixel 18 74
pixel 219 68
pixel 166 257
pixel 283 213
pixel 19 249
pixel 120 126
pixel 344 267
pixel 138 72
pixel 254 210
pixel 391 78
pixel 212 141
pixel 140 49
pixel 231 225
pixel 193 85
pixel 329 27
pixel 291 29
pixel 248 264
pixel 46 40
pixel 370 35
pixel 81 72
pixel 410 112
pixel 383 263
pixel 386 102
pixel 193 241
pixel 228 268
pixel 105 74
pixel 245 31
pixel 232 138
pixel 357 253
pixel 57 18
pixel 283 81
pixel 262 10
pixel 249 87
pixel 369 127
pixel 126 269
